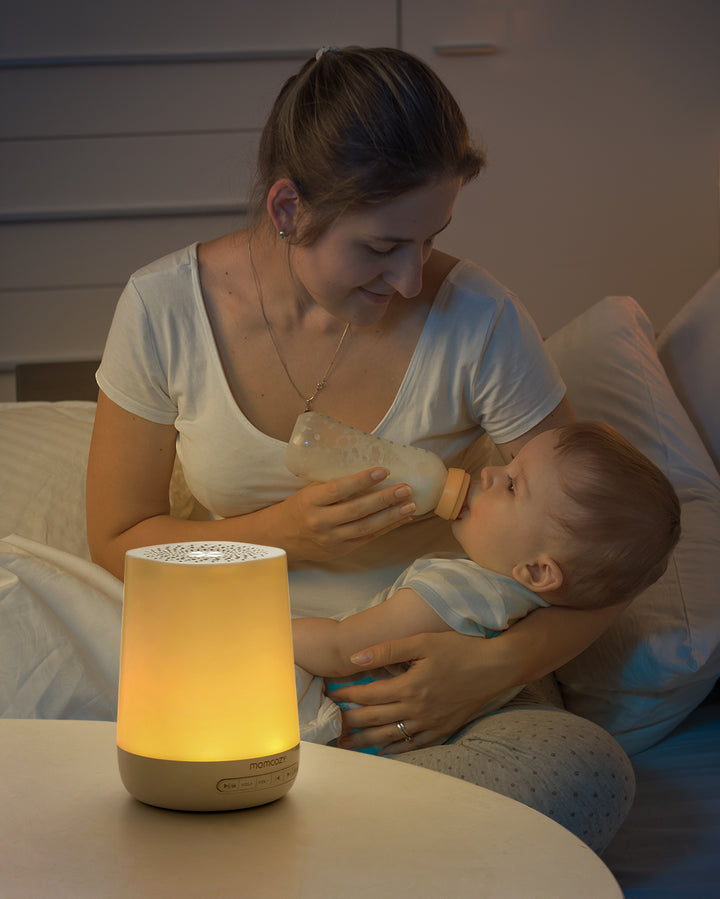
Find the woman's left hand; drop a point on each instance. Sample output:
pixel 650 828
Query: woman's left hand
pixel 441 691
pixel 450 676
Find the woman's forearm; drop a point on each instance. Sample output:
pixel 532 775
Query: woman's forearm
pixel 545 640
pixel 129 473
pixel 450 676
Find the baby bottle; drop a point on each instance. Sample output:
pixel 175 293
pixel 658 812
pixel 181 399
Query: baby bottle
pixel 322 449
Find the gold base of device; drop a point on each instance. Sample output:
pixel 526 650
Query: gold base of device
pixel 208 786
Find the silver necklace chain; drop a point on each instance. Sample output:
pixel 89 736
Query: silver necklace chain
pixel 322 383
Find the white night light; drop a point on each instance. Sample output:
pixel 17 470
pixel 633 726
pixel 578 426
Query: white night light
pixel 207 714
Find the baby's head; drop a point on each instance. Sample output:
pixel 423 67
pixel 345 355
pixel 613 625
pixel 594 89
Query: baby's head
pixel 624 518
pixel 579 516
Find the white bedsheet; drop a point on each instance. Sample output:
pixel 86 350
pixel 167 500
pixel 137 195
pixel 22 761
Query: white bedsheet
pixel 60 642
pixel 60 639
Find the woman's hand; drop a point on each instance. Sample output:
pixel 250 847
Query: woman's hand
pixel 451 676
pixel 129 471
pixel 441 691
pixel 324 521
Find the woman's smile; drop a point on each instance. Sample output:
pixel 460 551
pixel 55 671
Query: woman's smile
pixel 375 296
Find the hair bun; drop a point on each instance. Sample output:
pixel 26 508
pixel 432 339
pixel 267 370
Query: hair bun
pixel 324 50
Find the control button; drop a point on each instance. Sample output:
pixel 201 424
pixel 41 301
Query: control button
pixel 258 782
pixel 236 784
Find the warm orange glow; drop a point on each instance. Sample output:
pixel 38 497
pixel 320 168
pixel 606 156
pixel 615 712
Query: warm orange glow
pixel 206 670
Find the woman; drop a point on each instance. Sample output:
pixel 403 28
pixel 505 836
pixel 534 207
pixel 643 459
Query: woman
pixel 336 300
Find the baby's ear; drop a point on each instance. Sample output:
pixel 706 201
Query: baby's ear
pixel 541 576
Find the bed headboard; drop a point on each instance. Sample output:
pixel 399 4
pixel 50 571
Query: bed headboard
pixel 53 381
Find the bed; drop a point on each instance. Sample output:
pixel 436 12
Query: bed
pixel 651 680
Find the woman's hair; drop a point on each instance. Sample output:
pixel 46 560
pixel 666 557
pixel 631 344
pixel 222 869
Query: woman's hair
pixel 357 127
pixel 625 520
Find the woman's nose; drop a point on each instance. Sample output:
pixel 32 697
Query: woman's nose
pixel 406 274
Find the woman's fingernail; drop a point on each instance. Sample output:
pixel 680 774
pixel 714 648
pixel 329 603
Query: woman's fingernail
pixel 403 492
pixel 408 508
pixel 362 657
pixel 379 474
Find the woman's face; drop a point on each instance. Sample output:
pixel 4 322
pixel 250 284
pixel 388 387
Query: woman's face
pixel 366 258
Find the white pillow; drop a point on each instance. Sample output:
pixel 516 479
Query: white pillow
pixel 689 349
pixel 43 462
pixel 662 657
pixel 60 634
pixel 43 458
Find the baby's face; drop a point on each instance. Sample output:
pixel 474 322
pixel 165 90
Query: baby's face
pixel 507 518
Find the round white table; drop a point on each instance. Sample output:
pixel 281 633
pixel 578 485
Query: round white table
pixel 353 825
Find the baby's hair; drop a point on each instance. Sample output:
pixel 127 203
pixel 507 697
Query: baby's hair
pixel 360 126
pixel 626 517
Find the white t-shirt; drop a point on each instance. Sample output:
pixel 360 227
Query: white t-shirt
pixel 479 366
pixel 470 599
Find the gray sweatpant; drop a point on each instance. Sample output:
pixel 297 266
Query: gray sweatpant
pixel 536 752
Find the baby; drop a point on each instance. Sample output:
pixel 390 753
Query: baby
pixel 578 518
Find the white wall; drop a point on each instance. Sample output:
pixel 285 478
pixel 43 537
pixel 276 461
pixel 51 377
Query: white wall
pixel 602 121
pixel 128 130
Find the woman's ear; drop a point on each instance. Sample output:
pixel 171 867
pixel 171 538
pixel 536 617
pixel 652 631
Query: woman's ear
pixel 283 205
pixel 541 576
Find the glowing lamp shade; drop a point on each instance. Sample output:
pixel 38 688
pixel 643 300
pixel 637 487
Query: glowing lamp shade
pixel 207 713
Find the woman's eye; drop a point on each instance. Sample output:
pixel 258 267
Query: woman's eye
pixel 377 252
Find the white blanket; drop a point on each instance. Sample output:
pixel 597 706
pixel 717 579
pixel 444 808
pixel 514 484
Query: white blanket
pixel 60 642
pixel 60 635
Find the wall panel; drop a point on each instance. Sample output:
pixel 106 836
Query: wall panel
pixel 602 123
pixel 120 176
pixel 91 29
pixel 129 130
pixel 56 325
pixel 109 249
pixel 142 98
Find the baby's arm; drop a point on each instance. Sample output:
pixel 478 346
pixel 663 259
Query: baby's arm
pixel 323 646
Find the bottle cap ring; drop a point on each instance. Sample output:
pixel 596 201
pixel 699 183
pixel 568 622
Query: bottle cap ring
pixel 453 495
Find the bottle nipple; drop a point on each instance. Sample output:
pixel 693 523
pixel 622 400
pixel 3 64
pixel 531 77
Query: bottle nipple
pixel 453 496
